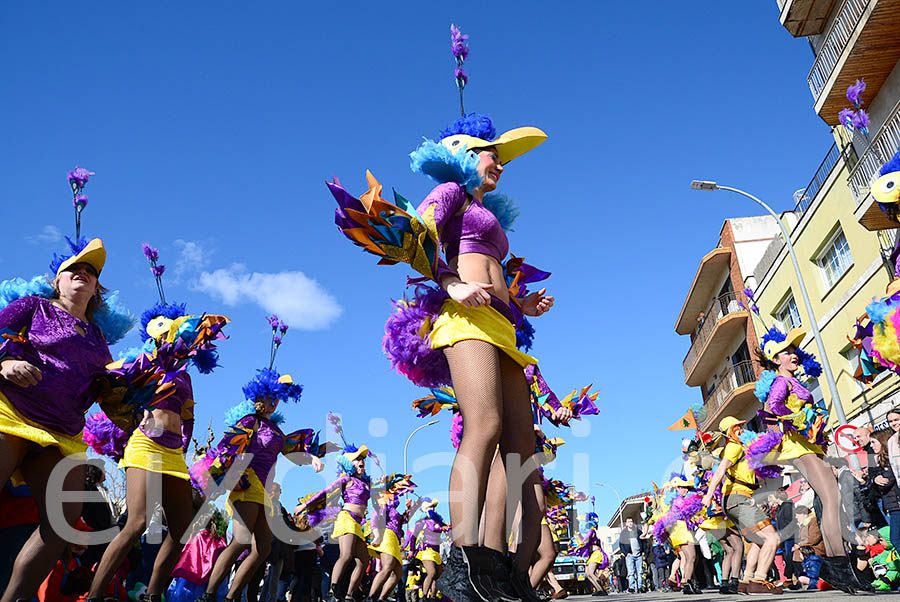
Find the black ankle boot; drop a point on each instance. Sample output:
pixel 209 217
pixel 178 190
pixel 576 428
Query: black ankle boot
pixel 204 597
pixel 837 572
pixel 455 582
pixel 691 588
pixel 501 584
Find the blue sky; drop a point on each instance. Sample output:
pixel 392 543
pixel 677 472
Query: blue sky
pixel 212 128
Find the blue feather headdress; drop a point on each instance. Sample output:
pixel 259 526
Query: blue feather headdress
pixel 809 365
pixel 268 382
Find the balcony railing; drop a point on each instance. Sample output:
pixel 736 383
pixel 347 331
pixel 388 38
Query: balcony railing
pixel 881 148
pixel 809 194
pixel 738 375
pixel 720 307
pixel 835 40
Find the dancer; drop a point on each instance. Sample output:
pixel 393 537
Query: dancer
pixel 739 481
pixel 558 500
pixel 389 526
pixel 480 302
pixel 254 429
pixel 430 529
pixel 354 486
pixel 55 338
pixel 790 407
pixel 590 548
pixel 156 418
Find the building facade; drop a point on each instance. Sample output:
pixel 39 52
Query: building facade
pixel 716 316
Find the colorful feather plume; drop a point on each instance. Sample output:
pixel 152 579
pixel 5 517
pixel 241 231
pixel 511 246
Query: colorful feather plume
pixel 443 165
pixel 104 437
pixel 764 384
pixel 757 446
pixel 268 383
pixel 407 342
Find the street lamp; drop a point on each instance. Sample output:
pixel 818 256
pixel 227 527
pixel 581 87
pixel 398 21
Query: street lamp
pixel 814 326
pixel 406 447
pixel 619 497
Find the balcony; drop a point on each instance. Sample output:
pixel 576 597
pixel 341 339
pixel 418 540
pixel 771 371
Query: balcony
pixel 881 148
pixel 725 318
pixel 804 17
pixel 707 278
pixel 733 395
pixel 860 43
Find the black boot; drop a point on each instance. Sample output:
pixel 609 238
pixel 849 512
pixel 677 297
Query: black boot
pixel 729 587
pixel 205 597
pixel 837 572
pixel 456 581
pixel 691 588
pixel 501 583
pixel 521 585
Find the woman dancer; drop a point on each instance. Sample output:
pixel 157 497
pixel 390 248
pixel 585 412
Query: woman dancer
pixel 790 407
pixel 430 528
pixel 159 442
pixel 476 329
pixel 591 549
pixel 354 486
pixel 389 522
pixel 255 431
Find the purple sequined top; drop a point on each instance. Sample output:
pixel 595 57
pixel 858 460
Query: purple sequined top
pixel 475 230
pixel 182 403
pixel 431 531
pixel 265 445
pixel 782 401
pixel 68 362
pixel 391 519
pixel 354 490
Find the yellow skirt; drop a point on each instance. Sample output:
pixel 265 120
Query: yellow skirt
pixel 715 523
pixel 429 554
pixel 256 493
pixel 390 544
pixel 460 323
pixel 345 523
pixel 143 452
pixel 13 423
pixel 596 557
pixel 680 535
pixel 792 446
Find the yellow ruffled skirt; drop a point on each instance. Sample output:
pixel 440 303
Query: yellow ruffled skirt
pixel 143 452
pixel 345 523
pixel 794 445
pixel 429 554
pixel 715 523
pixel 596 557
pixel 390 544
pixel 13 423
pixel 256 493
pixel 680 535
pixel 460 323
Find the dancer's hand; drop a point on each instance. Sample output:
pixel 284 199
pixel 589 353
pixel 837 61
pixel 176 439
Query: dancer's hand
pixel 563 415
pixel 470 294
pixel 317 464
pixel 21 373
pixel 707 500
pixel 537 303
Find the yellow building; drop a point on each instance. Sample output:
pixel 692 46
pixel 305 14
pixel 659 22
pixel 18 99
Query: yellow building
pixel 841 237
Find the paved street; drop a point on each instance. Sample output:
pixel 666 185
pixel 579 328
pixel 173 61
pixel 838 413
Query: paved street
pixel 807 596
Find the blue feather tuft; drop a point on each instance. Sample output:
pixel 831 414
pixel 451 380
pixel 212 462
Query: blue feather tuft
pixel 811 367
pixel 773 335
pixel 503 208
pixel 764 383
pixel 473 124
pixel 524 335
pixel 235 413
pixel 891 166
pixel 206 360
pixel 75 247
pixel 113 319
pixel 16 288
pixel 879 310
pixel 443 165
pixel 265 384
pixel 277 418
pixel 166 310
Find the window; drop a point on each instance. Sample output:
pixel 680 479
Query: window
pixel 851 356
pixel 789 315
pixel 836 260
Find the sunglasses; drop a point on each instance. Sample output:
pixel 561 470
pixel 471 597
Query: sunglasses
pixel 88 268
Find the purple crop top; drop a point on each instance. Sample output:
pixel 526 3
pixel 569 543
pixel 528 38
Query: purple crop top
pixel 475 230
pixel 265 445
pixel 784 399
pixel 431 532
pixel 354 490
pixel 182 403
pixel 68 362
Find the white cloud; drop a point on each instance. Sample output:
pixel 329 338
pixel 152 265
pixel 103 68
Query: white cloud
pixel 297 299
pixel 191 258
pixel 48 234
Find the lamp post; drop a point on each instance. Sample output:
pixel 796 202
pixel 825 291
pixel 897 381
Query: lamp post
pixel 814 326
pixel 406 446
pixel 618 497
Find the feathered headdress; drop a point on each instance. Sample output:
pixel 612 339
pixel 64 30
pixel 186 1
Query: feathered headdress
pixel 774 340
pixel 350 451
pixel 268 382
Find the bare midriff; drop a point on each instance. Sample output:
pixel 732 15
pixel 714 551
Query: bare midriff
pixel 166 419
pixel 357 509
pixel 478 267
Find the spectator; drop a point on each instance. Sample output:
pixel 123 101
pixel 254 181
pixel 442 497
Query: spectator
pixel 809 548
pixel 883 484
pixel 630 545
pixel 620 571
pixel 660 567
pixel 787 530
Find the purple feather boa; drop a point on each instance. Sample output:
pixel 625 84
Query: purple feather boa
pixel 406 340
pixel 757 451
pixel 104 437
pixel 456 430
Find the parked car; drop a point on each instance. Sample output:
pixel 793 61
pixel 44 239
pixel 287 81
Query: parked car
pixel 569 570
